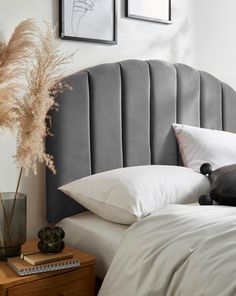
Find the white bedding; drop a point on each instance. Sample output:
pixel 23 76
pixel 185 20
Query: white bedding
pixel 94 235
pixel 185 250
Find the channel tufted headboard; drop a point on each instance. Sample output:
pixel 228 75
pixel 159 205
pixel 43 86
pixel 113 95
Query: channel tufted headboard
pixel 120 114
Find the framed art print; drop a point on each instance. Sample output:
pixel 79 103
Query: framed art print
pixel 88 20
pixel 149 10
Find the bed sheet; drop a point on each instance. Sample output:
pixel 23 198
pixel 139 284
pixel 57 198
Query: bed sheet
pixel 94 235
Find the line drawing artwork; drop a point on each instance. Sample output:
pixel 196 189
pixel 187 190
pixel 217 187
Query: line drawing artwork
pixel 79 10
pixel 88 20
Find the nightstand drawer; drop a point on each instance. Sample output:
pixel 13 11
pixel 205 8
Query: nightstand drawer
pixel 77 282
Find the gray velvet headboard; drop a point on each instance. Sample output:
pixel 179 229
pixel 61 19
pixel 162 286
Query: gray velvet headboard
pixel 120 114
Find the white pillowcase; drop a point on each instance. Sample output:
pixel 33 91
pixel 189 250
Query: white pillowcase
pixel 198 145
pixel 128 194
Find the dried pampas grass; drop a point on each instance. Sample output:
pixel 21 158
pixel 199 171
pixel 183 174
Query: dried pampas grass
pixel 13 63
pixel 18 49
pixel 24 108
pixel 43 83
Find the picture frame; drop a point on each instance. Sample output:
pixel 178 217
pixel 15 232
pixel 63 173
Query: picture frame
pixel 88 21
pixel 147 10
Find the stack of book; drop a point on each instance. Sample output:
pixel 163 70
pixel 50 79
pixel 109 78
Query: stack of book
pixel 31 263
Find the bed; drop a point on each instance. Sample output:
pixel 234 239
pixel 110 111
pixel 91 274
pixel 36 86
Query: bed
pixel 120 115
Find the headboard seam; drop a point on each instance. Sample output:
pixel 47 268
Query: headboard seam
pixel 90 121
pixel 200 99
pixel 150 112
pixel 177 94
pixel 222 107
pixel 122 116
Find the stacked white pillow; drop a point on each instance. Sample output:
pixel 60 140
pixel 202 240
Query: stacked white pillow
pixel 199 145
pixel 128 194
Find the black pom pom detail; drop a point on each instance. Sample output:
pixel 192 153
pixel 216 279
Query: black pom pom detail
pixel 205 200
pixel 205 169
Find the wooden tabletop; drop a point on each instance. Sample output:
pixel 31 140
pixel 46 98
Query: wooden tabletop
pixel 8 277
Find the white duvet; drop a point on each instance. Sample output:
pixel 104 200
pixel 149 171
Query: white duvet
pixel 185 250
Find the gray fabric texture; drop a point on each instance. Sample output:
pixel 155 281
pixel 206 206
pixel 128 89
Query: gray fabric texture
pixel 120 114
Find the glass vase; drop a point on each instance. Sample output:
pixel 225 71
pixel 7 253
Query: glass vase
pixel 12 224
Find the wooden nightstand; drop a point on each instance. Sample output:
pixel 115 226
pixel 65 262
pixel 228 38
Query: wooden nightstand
pixel 72 282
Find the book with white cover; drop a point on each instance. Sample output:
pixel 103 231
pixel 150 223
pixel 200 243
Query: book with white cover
pixel 21 267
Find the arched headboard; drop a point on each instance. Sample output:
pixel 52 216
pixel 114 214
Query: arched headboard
pixel 120 114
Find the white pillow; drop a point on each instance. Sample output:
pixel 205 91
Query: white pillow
pixel 198 145
pixel 128 194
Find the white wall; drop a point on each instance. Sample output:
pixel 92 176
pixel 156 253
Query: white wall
pixel 201 35
pixel 214 24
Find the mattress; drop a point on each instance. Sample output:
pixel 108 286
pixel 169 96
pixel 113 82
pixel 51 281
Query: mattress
pixel 94 235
